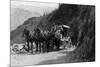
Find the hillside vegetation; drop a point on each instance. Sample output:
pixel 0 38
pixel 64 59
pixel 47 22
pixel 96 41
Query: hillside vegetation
pixel 81 19
pixel 16 35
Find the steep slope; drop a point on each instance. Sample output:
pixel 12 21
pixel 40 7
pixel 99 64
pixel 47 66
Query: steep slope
pixel 81 19
pixel 19 15
pixel 16 35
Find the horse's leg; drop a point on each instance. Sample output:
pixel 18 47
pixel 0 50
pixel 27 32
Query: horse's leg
pixel 52 45
pixel 36 46
pixel 40 47
pixel 45 46
pixel 57 44
pixel 28 45
pixel 48 47
pixel 31 47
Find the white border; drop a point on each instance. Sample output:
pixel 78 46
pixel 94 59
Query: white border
pixel 85 2
pixel 5 33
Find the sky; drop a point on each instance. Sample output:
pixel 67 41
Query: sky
pixel 22 10
pixel 39 6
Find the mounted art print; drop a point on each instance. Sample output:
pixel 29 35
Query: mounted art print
pixel 43 33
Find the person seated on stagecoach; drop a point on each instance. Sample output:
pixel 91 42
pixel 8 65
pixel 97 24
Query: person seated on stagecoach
pixel 64 30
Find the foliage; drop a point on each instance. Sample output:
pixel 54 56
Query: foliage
pixel 81 19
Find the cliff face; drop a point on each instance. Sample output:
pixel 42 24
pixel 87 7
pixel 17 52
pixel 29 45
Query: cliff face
pixel 81 18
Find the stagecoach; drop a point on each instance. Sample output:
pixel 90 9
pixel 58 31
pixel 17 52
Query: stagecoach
pixel 65 37
pixel 45 41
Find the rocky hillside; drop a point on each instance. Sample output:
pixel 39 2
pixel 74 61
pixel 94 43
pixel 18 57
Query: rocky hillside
pixel 81 19
pixel 16 35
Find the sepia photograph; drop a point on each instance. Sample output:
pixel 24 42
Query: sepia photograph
pixel 43 33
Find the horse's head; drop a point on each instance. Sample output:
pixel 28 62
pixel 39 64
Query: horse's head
pixel 25 33
pixel 37 30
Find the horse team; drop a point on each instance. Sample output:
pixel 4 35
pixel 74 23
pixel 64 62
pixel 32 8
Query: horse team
pixel 45 41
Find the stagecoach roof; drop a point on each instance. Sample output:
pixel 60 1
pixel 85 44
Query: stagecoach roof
pixel 66 26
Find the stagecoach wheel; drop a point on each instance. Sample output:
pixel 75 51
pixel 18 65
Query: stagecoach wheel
pixel 64 44
pixel 22 50
pixel 70 42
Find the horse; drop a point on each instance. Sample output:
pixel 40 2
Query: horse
pixel 38 36
pixel 45 40
pixel 29 38
pixel 55 37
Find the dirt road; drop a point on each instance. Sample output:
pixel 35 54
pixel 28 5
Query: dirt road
pixel 19 60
